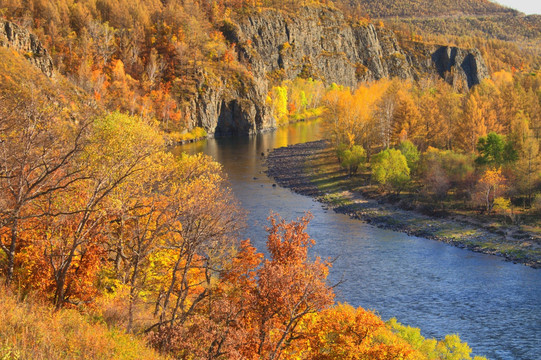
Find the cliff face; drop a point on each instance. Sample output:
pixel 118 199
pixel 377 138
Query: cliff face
pixel 225 106
pixel 453 64
pixel 22 40
pixel 318 42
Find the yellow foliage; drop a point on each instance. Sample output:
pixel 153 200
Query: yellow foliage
pixel 29 330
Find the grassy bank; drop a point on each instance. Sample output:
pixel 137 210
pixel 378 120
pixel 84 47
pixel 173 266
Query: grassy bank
pixel 319 175
pixel 30 330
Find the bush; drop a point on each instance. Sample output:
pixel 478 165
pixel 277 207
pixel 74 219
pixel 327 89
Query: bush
pixel 390 169
pixel 353 158
pixel 443 169
pixel 536 203
pixel 494 150
pixel 340 150
pixel 197 133
pixel 410 151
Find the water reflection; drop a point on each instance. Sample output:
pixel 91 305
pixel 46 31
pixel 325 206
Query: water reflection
pixel 494 305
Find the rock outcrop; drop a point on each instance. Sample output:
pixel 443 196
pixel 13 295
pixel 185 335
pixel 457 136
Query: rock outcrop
pixel 451 63
pixel 225 106
pixel 318 42
pixel 23 41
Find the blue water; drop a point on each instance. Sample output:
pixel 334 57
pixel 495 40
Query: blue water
pixel 492 304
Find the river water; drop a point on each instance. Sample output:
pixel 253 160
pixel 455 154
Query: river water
pixel 492 304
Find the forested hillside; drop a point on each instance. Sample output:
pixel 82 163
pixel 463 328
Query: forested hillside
pixel 176 62
pixel 506 37
pixel 425 8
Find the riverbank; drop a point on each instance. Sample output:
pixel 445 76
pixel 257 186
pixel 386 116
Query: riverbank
pixel 311 169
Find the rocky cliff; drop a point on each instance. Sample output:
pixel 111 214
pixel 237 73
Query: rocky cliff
pixel 22 40
pixel 227 105
pixel 318 42
pixel 453 64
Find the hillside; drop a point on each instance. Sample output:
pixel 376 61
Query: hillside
pixel 184 66
pixel 506 37
pixel 31 330
pixel 424 8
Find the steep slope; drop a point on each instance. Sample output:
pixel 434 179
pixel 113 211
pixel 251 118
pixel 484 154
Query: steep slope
pixel 31 330
pixel 509 38
pixel 28 79
pixel 273 45
pixel 230 103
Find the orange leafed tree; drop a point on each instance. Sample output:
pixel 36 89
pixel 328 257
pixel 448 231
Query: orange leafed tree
pixel 345 332
pixel 489 186
pixel 289 287
pixel 256 310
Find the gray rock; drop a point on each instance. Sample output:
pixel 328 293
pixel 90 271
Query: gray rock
pixel 317 42
pixel 320 43
pixel 22 40
pixel 227 106
pixel 449 62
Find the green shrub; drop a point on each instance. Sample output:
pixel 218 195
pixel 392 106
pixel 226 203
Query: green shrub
pixel 390 169
pixel 353 158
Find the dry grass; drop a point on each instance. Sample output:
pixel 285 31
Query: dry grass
pixel 29 330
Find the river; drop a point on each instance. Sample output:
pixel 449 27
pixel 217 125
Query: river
pixel 492 304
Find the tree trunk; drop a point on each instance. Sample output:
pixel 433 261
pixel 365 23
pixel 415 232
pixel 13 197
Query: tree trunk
pixel 11 254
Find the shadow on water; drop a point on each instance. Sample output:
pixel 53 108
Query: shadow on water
pixel 493 305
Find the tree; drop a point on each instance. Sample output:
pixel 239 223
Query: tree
pixel 472 124
pixel 38 148
pixel 494 150
pixel 257 308
pixel 118 149
pixel 350 116
pixel 410 151
pixel 442 170
pixel 343 332
pixel 529 161
pixel 200 241
pixel 140 220
pixel 384 115
pixel 390 168
pixel 352 158
pixel 489 187
pixel 279 103
pixel 289 287
pixel 407 117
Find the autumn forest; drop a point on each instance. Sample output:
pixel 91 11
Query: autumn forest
pixel 113 246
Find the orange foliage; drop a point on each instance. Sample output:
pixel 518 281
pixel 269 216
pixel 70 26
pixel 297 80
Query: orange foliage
pixel 343 332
